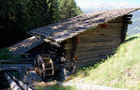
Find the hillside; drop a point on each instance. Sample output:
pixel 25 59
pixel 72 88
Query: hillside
pixel 121 70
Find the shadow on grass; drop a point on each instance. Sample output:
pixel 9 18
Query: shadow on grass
pixel 130 39
pixel 85 70
pixel 55 87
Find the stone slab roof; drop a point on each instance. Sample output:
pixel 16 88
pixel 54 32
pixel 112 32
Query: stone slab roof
pixel 69 28
pixel 25 45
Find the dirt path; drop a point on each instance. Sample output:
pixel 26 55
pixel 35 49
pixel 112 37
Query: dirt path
pixel 80 85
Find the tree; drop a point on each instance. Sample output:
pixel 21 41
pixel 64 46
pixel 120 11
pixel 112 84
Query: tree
pixel 68 9
pixel 19 16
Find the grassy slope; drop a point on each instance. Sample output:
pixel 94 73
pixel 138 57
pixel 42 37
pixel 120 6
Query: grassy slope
pixel 122 70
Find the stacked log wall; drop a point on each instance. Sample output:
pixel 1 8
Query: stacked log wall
pixel 95 44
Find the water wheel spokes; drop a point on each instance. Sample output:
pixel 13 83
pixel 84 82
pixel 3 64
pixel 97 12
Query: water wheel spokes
pixel 44 66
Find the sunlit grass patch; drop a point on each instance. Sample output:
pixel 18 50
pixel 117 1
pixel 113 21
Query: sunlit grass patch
pixel 120 70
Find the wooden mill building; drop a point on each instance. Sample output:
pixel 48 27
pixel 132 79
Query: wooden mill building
pixel 83 39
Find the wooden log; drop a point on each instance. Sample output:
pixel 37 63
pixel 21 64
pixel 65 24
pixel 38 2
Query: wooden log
pixel 128 18
pixel 67 49
pixel 94 44
pixel 111 26
pixel 16 84
pixel 105 25
pixel 84 64
pixel 15 66
pixel 128 15
pixel 13 84
pixel 104 30
pixel 78 62
pixel 88 61
pixel 52 42
pixel 94 39
pixel 100 36
pixel 83 49
pixel 96 48
pixel 98 33
pixel 94 53
pixel 115 25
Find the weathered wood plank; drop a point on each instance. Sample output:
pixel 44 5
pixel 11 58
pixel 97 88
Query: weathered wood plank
pixel 16 84
pixel 15 66
pixel 87 48
pixel 128 15
pixel 94 55
pixel 95 39
pixel 114 25
pixel 99 30
pixel 104 35
pixel 89 61
pixel 86 63
pixel 94 44
pixel 90 53
pixel 13 84
pixel 100 35
pixel 96 48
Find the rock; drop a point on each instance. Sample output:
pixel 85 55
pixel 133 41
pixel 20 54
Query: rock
pixel 64 74
pixel 32 76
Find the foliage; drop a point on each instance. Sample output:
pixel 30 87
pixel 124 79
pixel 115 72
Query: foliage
pixel 5 54
pixel 120 70
pixel 19 16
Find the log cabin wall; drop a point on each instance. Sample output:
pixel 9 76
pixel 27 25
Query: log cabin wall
pixel 95 44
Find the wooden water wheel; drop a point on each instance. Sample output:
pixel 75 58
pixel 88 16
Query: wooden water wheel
pixel 44 66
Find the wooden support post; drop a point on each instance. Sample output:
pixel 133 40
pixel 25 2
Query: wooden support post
pixel 126 21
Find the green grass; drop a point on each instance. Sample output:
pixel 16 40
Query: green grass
pixel 56 87
pixel 6 54
pixel 121 70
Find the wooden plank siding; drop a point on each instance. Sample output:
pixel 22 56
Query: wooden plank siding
pixel 95 44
